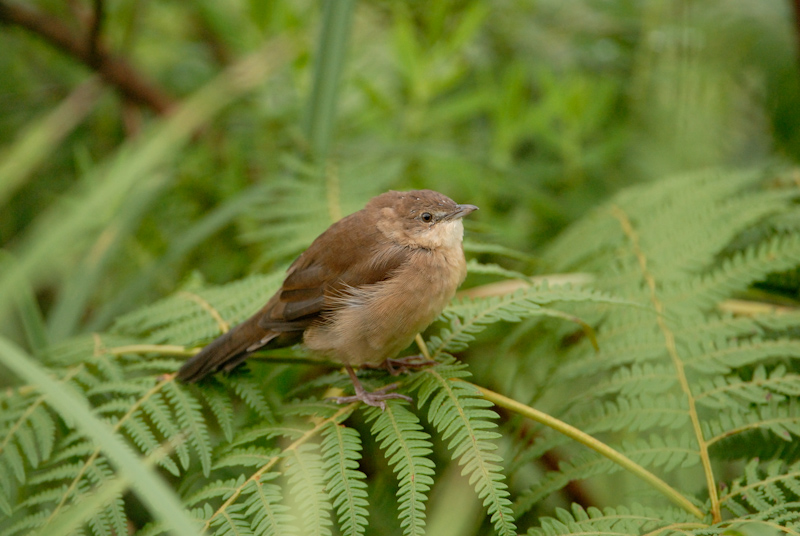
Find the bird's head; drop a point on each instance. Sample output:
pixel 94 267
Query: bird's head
pixel 420 218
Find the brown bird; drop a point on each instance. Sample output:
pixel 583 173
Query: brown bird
pixel 360 293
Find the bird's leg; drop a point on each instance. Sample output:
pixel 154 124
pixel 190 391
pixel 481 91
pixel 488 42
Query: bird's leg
pixel 375 398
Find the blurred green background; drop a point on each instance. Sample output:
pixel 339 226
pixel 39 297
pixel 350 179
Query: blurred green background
pixel 533 110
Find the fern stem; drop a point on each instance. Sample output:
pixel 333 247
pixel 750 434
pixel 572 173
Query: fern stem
pixel 675 527
pixel 669 341
pixel 422 346
pixel 601 448
pixel 164 349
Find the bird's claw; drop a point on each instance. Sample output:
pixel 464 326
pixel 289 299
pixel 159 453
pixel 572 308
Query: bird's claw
pixel 401 365
pixel 376 398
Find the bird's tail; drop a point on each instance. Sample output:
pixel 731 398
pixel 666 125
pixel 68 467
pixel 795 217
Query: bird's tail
pixel 225 352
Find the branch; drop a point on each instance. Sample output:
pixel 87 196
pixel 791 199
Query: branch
pixel 94 33
pixel 89 51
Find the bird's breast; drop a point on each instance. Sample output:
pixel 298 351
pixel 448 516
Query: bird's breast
pixel 375 322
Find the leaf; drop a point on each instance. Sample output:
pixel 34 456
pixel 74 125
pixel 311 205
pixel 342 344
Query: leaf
pixel 406 447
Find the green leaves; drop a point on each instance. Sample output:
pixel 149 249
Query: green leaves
pixel 677 386
pixel 688 384
pixel 406 447
pixel 460 415
pixel 341 450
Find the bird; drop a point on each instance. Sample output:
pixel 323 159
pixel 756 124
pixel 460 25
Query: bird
pixel 360 293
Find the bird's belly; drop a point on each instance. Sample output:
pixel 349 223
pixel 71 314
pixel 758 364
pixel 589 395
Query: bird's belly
pixel 380 320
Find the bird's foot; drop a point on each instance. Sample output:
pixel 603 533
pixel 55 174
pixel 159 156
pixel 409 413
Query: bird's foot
pixel 401 365
pixel 375 398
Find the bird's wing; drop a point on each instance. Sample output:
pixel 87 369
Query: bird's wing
pixel 362 257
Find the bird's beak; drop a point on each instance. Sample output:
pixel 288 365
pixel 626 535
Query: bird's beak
pixel 461 211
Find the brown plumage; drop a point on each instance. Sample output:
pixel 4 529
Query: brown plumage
pixel 362 290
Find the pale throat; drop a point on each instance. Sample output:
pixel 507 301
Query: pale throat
pixel 446 234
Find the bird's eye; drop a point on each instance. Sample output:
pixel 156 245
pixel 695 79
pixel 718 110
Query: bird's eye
pixel 426 217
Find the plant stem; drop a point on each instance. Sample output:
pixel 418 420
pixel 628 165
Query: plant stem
pixel 597 446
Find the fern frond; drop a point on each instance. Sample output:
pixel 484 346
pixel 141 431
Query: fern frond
pixel 469 316
pixel 305 474
pixel 767 492
pixel 581 466
pixel 218 489
pixel 656 452
pixel 406 447
pixel 341 450
pixel 688 369
pixel 250 393
pixel 143 438
pixel 612 521
pixel 263 504
pixel 721 357
pixel 158 411
pixel 636 413
pixel 232 522
pixel 188 317
pixel 221 405
pixel 721 392
pixel 459 413
pixel 190 418
pixel 474 267
pixel 253 456
pixel 738 272
pixel 25 525
pixel 783 420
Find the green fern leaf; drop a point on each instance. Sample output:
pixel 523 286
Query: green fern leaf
pixel 158 411
pixel 144 439
pixel 696 378
pixel 609 521
pixel 719 392
pixel 762 491
pixel 406 446
pixel 218 489
pixel 25 525
pixel 5 504
pixel 304 472
pixel 232 522
pixel 470 316
pixel 269 516
pixel 253 456
pixel 783 420
pixel 474 267
pixel 188 317
pixel 457 410
pixel 190 418
pixel 251 393
pixel 341 450
pixel 218 399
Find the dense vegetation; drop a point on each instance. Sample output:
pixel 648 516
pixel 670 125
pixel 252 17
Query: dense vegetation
pixel 623 358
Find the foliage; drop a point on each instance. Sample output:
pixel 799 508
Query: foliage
pixel 654 391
